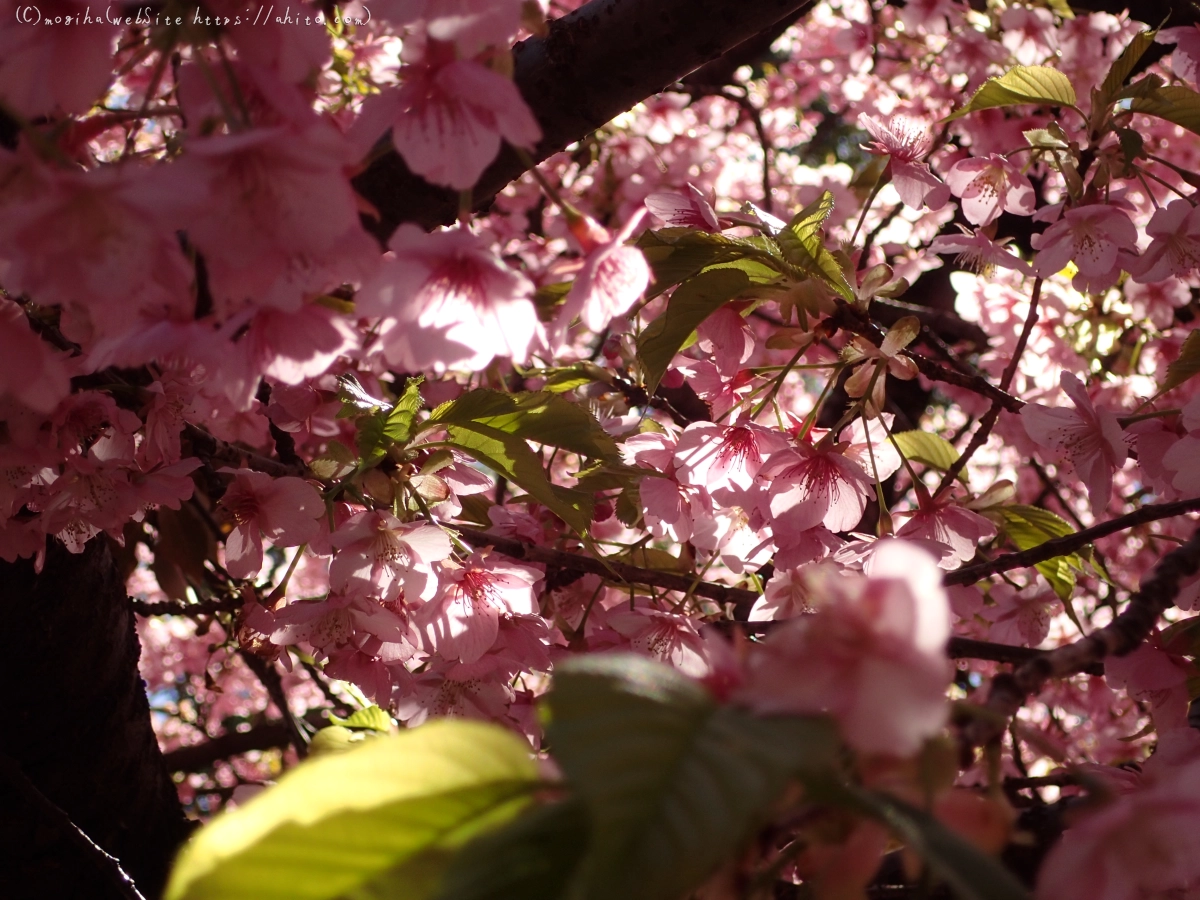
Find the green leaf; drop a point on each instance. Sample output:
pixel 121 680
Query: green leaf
pixel 531 858
pixel 1174 103
pixel 1186 366
pixel 1124 64
pixel 1039 85
pixel 542 417
pixel 924 447
pixel 1029 527
pixel 693 302
pixel 673 783
pixel 802 244
pixel 370 717
pixel 398 425
pixel 508 455
pixel 338 821
pixel 970 873
pixel 677 254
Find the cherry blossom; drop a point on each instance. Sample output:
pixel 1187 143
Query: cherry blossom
pixel 614 276
pixel 1091 438
pixel 381 556
pixel 448 117
pixel 989 186
pixel 285 510
pixel 1100 239
pixel 871 655
pixel 463 620
pixel 1175 248
pixel 1140 844
pixel 905 141
pixel 815 485
pixel 446 300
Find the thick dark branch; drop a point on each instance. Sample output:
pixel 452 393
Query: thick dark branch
pixel 267 736
pixel 596 62
pixel 1071 543
pixel 1123 635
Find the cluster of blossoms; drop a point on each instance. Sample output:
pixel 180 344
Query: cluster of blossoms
pixel 205 347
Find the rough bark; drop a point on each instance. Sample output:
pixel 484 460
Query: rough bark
pixel 76 720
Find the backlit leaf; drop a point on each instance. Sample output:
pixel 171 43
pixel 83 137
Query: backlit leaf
pixel 336 822
pixel 542 417
pixel 926 447
pixel 1172 102
pixel 1186 366
pixel 693 302
pixel 1038 85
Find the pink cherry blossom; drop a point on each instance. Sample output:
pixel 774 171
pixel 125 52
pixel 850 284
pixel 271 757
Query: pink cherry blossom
pixel 1020 617
pixel 1185 61
pixel 1091 438
pixel 1175 248
pixel 446 300
pixel 30 371
pixel 906 140
pixel 286 510
pixel 1100 239
pixel 1142 844
pixel 979 253
pixel 380 556
pixel 946 522
pixel 786 597
pixel 872 655
pixel 280 221
pixel 690 210
pixel 47 69
pixel 665 636
pixel 614 277
pixel 329 623
pixel 815 485
pixel 988 186
pixel 448 118
pixel 714 456
pixel 463 620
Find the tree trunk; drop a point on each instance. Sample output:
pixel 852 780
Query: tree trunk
pixel 77 722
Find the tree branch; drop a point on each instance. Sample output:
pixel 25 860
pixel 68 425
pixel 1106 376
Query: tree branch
pixel 1071 543
pixel 596 62
pixel 741 598
pixel 1123 635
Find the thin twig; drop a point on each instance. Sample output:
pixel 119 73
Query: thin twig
pixel 989 419
pixel 855 322
pixel 269 676
pixel 109 865
pixel 1070 543
pixel 741 598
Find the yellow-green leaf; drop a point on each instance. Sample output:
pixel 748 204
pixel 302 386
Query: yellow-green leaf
pixel 371 717
pixel 1038 85
pixel 335 823
pixel 802 243
pixel 924 447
